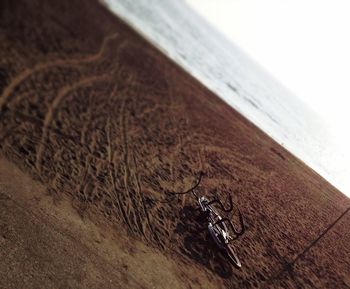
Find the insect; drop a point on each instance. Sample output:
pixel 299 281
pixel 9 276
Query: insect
pixel 221 229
